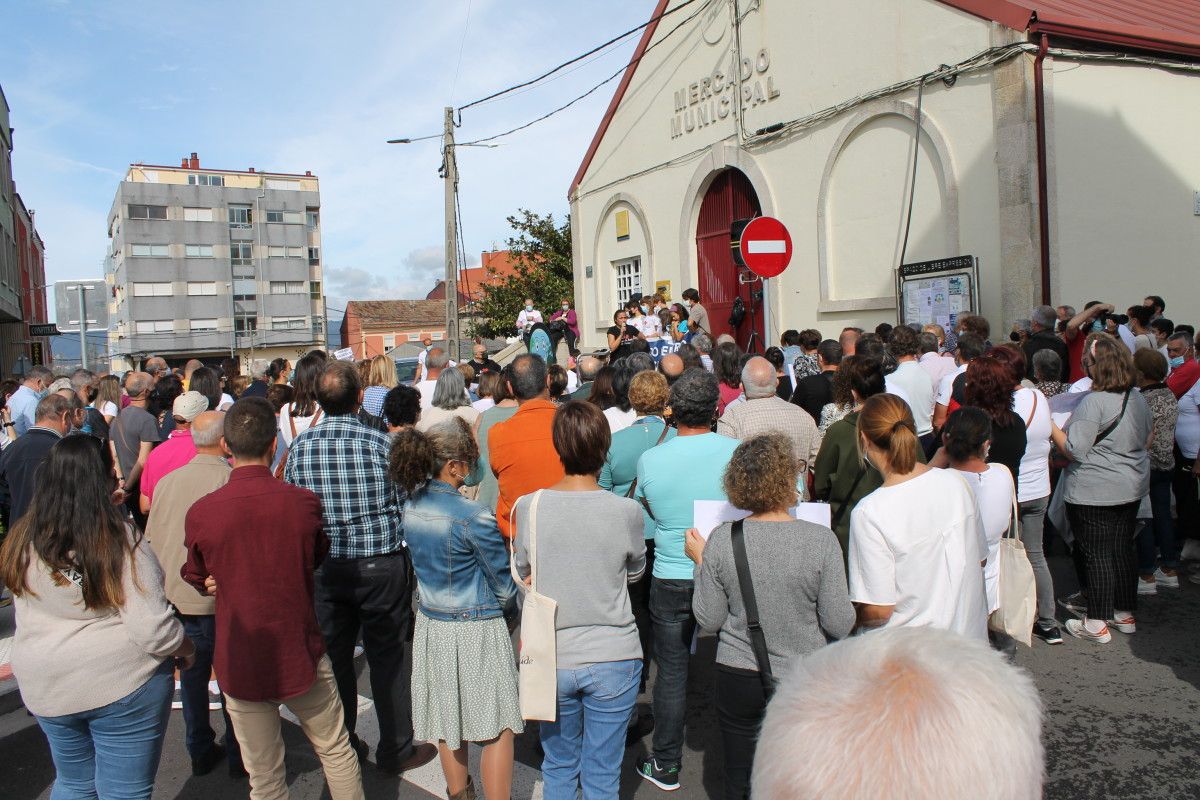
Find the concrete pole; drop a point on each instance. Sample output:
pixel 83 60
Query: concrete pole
pixel 450 174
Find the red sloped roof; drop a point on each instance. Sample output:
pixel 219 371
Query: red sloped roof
pixel 1167 26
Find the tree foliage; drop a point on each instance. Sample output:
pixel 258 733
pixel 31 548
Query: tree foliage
pixel 541 254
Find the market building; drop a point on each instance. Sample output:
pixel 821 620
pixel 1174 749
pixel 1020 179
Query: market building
pixel 1054 141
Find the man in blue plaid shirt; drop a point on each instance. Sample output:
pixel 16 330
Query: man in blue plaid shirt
pixel 365 582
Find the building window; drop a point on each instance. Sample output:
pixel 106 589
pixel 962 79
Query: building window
pixel 414 337
pixel 197 215
pixel 244 290
pixel 287 323
pixel 287 287
pixel 285 252
pixel 203 325
pixel 201 288
pixel 240 216
pixel 147 212
pixel 205 180
pixel 198 250
pixel 152 290
pixel 629 278
pixel 312 218
pixel 243 324
pixel 243 271
pixel 439 336
pixel 286 185
pixel 292 217
pixel 314 290
pixel 314 256
pixel 156 250
pixel 241 254
pixel 155 326
pixel 389 341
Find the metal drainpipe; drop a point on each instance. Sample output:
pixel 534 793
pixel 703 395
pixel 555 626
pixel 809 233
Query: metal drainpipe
pixel 1039 99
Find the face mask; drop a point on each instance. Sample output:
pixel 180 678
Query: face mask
pixel 1176 362
pixel 645 310
pixel 529 308
pixel 566 308
pixel 1098 326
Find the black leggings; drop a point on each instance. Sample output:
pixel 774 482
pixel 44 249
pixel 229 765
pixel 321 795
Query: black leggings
pixel 741 706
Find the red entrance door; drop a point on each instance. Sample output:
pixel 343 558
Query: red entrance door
pixel 729 197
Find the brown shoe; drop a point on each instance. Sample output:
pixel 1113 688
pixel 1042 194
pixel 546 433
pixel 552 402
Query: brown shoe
pixel 422 754
pixel 466 794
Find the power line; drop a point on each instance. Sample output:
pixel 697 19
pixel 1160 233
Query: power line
pixel 580 57
pixel 633 62
pixel 461 47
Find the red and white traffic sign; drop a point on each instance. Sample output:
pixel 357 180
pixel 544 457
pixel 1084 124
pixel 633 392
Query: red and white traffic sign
pixel 766 246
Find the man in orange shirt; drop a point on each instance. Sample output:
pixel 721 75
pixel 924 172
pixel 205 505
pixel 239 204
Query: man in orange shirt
pixel 520 448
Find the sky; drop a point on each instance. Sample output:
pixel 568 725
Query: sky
pixel 290 86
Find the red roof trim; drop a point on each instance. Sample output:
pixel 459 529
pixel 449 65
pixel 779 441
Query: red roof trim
pixel 1132 36
pixel 618 96
pixel 1013 16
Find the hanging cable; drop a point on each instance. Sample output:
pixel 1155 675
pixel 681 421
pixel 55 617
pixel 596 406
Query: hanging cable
pixel 912 185
pixel 580 57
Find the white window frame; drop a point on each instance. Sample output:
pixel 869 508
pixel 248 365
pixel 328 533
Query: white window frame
pixel 201 288
pixel 197 214
pixel 237 209
pixel 197 325
pixel 206 180
pixel 314 256
pixel 288 287
pixel 238 247
pixel 288 323
pixel 155 289
pixel 627 278
pixel 312 218
pixel 287 217
pixel 129 211
pixel 389 341
pixel 242 283
pixel 149 250
pixel 439 336
pixel 414 337
pixel 283 184
pixel 147 326
pixel 198 250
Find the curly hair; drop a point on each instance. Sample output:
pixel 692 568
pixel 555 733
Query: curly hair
pixel 648 393
pixel 415 457
pixel 989 387
pixel 761 475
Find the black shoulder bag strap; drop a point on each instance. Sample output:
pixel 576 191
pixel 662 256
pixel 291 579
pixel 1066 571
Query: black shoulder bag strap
pixel 1113 425
pixel 661 437
pixel 837 517
pixel 757 640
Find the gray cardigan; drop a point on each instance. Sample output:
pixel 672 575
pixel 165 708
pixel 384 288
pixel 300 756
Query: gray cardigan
pixel 799 584
pixel 1117 470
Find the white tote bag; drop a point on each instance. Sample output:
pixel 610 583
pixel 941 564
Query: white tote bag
pixel 1017 588
pixel 537 660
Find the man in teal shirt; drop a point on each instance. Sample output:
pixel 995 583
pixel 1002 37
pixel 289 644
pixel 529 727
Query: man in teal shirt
pixel 671 478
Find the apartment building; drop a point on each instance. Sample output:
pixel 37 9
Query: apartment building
pixel 211 263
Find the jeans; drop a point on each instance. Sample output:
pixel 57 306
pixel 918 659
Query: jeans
pixel 1104 534
pixel 1158 538
pixel 194 688
pixel 585 745
pixel 1187 496
pixel 374 596
pixel 674 627
pixel 741 706
pixel 112 751
pixel 1032 514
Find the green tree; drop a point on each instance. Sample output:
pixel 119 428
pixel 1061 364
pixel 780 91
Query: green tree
pixel 541 254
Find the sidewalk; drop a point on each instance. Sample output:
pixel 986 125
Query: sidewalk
pixel 10 699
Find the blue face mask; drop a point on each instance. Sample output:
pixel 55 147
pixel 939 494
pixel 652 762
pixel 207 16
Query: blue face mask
pixel 1098 326
pixel 1176 362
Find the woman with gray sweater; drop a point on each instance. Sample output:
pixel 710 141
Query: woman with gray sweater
pixel 95 634
pixel 799 585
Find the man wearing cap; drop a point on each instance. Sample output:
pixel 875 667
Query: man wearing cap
pixel 177 450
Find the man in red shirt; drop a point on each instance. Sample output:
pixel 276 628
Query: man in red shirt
pixel 1185 370
pixel 1078 327
pixel 521 449
pixel 260 540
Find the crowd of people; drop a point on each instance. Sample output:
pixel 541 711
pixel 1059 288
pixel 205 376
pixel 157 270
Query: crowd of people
pixel 268 528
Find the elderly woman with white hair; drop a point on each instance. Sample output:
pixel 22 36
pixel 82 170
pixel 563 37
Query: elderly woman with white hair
pixel 450 399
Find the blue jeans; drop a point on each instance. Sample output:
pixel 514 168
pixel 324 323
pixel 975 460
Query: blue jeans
pixel 194 688
pixel 112 751
pixel 674 627
pixel 1158 537
pixel 585 745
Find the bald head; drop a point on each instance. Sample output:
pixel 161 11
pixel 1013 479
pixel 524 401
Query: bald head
pixel 207 430
pixel 589 366
pixel 155 365
pixel 137 384
pixel 848 340
pixel 671 366
pixel 191 366
pixel 759 378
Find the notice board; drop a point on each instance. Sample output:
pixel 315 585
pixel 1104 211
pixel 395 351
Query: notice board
pixel 938 292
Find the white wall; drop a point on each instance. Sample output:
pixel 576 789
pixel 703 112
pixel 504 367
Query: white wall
pixel 1125 158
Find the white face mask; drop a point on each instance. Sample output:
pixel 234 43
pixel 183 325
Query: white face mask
pixel 529 308
pixel 566 308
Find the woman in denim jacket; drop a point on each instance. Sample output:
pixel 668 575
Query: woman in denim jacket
pixel 464 677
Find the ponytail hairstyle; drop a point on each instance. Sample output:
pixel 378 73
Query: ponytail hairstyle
pixel 886 422
pixel 416 457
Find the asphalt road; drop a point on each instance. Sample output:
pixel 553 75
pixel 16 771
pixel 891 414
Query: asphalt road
pixel 1122 720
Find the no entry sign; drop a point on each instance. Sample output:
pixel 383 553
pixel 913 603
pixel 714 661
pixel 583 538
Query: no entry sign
pixel 763 245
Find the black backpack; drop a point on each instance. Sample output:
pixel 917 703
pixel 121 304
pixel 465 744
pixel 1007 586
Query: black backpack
pixel 737 313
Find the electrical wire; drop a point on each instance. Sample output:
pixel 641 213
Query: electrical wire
pixel 461 47
pixel 577 58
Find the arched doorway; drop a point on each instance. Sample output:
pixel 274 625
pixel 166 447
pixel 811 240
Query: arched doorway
pixel 730 196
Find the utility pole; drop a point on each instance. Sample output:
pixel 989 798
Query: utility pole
pixel 450 175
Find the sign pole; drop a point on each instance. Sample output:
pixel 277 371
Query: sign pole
pixel 766 306
pixel 83 361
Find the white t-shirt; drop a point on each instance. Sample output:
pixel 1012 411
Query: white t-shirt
pixel 917 546
pixel 109 409
pixel 528 318
pixel 993 495
pixel 1033 481
pixel 649 324
pixel 619 420
pixel 946 387
pixel 572 382
pixel 226 402
pixel 1084 384
pixel 913 383
pixel 1187 426
pixel 426 390
pixel 285 424
pixel 483 404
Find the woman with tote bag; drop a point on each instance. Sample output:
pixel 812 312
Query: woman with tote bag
pixel 580 547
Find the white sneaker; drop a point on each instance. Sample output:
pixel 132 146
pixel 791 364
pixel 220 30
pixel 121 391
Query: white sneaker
pixel 1147 586
pixel 1191 550
pixel 1125 624
pixel 1168 581
pixel 1076 628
